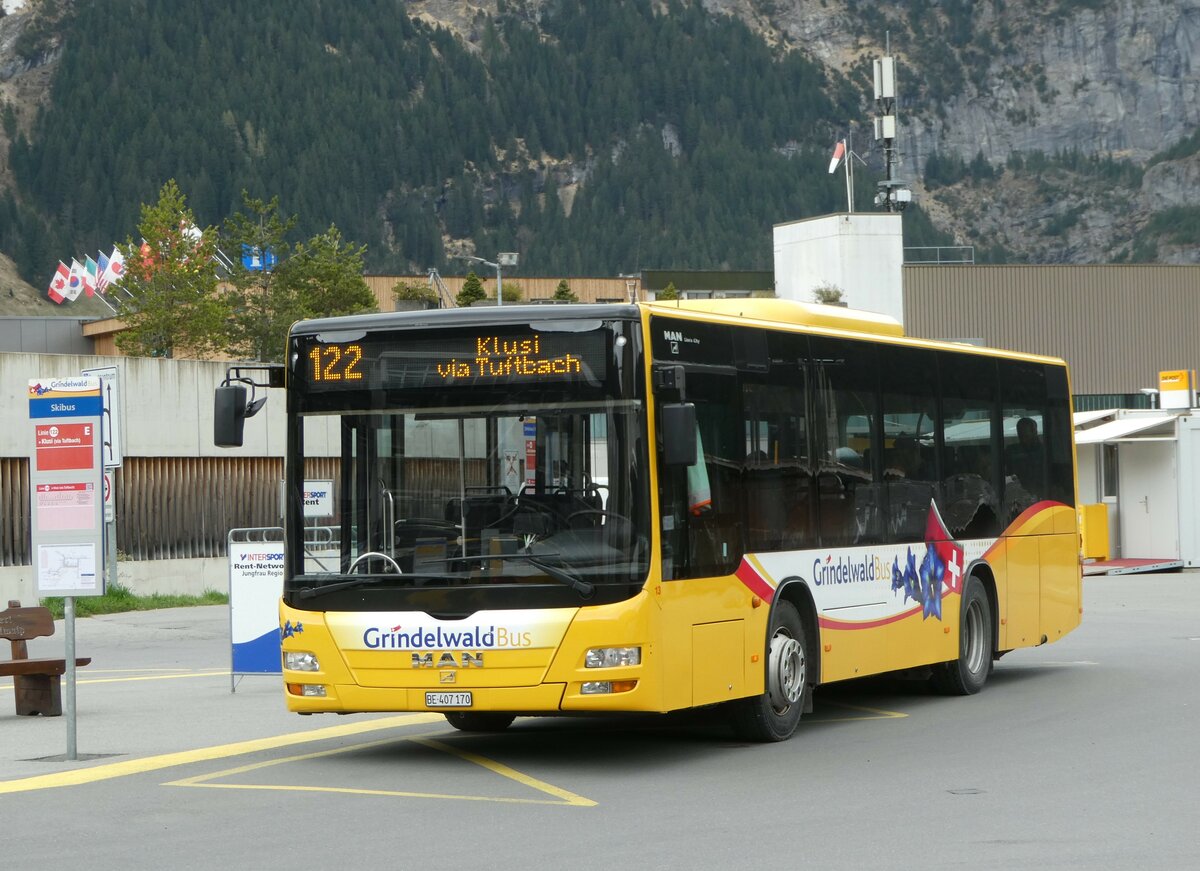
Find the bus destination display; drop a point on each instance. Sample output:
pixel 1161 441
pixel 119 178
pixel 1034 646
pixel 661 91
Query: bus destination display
pixel 400 361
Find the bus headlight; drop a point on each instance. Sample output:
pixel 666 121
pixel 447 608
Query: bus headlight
pixel 300 661
pixel 603 687
pixel 312 690
pixel 609 657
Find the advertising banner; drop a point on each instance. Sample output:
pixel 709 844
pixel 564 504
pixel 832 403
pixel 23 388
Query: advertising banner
pixel 255 585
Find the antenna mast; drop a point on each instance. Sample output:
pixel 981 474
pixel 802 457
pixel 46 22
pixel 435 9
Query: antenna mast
pixel 893 194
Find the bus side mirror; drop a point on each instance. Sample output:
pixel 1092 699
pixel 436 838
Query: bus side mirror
pixel 229 415
pixel 678 423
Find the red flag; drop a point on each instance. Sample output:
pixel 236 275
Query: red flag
pixel 839 152
pixel 58 284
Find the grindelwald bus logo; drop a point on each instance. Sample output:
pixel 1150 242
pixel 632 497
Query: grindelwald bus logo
pixel 437 638
pixel 848 570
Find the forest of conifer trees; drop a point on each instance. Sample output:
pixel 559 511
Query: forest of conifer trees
pixel 681 137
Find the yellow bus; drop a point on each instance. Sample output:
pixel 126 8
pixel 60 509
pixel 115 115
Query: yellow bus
pixel 548 509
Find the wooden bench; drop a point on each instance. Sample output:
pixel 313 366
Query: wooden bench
pixel 35 681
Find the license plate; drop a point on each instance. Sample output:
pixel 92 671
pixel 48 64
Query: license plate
pixel 447 700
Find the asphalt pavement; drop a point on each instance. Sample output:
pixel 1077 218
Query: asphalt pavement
pixel 158 683
pixel 1078 754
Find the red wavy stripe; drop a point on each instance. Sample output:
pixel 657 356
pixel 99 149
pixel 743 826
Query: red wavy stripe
pixel 754 581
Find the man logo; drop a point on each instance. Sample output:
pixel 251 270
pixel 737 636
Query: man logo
pixel 447 677
pixel 447 660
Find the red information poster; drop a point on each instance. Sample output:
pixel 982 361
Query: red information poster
pixel 64 446
pixel 66 506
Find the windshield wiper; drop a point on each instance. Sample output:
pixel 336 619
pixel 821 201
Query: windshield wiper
pixel 559 573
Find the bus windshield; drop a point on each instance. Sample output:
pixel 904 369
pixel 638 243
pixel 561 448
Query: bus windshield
pixel 514 489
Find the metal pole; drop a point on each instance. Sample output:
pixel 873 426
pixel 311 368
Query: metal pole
pixel 69 632
pixel 849 172
pixel 499 286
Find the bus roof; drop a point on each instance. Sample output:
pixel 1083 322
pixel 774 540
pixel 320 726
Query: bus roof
pixel 768 312
pixel 792 313
pixel 471 315
pixel 789 311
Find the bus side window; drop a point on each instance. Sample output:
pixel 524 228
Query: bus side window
pixel 849 474
pixel 777 480
pixel 968 500
pixel 1024 402
pixel 909 398
pixel 705 534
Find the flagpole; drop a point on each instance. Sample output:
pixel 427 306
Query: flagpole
pixel 111 307
pixel 849 173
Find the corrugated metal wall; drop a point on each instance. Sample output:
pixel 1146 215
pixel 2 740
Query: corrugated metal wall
pixel 1117 326
pixel 14 511
pixel 167 507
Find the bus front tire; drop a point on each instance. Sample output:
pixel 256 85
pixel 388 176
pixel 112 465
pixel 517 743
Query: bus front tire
pixel 774 715
pixel 966 675
pixel 479 721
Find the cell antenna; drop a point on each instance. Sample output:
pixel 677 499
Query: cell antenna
pixel 893 194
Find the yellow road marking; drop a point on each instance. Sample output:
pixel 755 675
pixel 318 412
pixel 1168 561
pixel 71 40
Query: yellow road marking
pixel 562 796
pixel 126 768
pixel 504 771
pixel 129 767
pixel 876 714
pixel 174 676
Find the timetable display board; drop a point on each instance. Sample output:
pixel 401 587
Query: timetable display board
pixel 500 356
pixel 66 485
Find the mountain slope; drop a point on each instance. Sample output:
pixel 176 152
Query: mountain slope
pixel 601 137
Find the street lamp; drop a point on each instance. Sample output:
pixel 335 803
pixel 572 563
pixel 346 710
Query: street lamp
pixel 504 258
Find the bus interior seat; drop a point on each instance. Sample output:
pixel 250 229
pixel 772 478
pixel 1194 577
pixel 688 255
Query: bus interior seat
pixel 478 512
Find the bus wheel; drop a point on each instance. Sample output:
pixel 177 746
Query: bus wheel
pixel 479 721
pixel 967 674
pixel 773 716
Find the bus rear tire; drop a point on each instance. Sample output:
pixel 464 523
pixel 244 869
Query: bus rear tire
pixel 774 715
pixel 479 721
pixel 966 675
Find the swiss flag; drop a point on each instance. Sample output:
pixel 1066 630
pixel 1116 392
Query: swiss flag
pixel 58 284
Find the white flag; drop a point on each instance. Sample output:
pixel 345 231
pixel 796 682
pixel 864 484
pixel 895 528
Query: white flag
pixel 75 283
pixel 115 270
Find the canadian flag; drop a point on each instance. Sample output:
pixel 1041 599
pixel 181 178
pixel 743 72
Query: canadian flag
pixel 58 284
pixel 839 152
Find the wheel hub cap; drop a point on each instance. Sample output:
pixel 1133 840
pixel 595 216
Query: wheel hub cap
pixel 785 672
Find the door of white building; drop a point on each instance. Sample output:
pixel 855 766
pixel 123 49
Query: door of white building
pixel 1149 500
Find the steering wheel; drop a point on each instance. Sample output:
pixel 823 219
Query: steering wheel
pixel 372 554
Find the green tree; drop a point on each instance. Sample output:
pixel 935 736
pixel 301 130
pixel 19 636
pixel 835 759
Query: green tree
pixel 262 304
pixel 667 293
pixel 513 292
pixel 171 306
pixel 328 275
pixel 318 278
pixel 563 292
pixel 472 291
